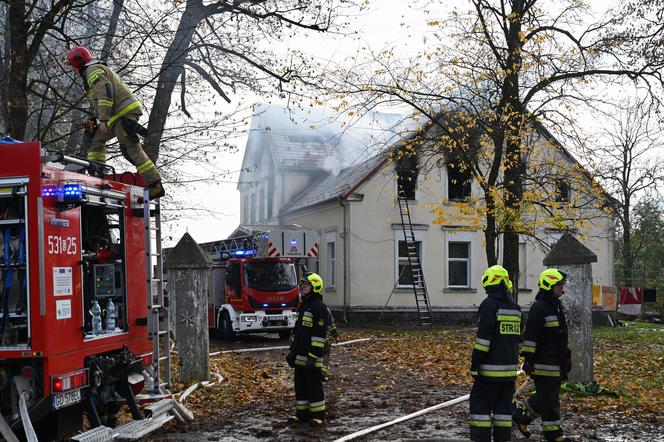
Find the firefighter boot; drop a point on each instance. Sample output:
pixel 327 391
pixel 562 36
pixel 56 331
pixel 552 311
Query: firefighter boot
pixel 317 423
pixel 294 420
pixel 156 191
pixel 521 418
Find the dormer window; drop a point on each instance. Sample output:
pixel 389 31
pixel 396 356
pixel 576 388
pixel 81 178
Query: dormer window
pixel 458 182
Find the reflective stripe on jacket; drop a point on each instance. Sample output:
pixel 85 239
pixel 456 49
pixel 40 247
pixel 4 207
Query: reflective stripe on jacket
pixel 110 96
pixel 309 336
pixel 496 349
pixel 545 339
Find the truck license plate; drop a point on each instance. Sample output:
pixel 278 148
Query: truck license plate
pixel 275 318
pixel 66 399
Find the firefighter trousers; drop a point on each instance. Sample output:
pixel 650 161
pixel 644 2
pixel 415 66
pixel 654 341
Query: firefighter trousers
pixel 491 408
pixel 309 394
pixel 544 403
pixel 130 146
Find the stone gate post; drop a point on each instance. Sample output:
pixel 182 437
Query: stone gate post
pixel 188 270
pixel 572 257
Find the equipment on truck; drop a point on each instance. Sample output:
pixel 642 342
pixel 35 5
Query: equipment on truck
pixel 253 287
pixel 82 319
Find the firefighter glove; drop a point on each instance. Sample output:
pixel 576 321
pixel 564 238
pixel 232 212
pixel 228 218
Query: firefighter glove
pixel 528 367
pixel 290 359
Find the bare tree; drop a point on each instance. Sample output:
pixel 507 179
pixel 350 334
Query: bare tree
pixel 504 69
pixel 630 168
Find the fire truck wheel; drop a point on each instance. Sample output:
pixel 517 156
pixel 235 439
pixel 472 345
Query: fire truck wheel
pixel 284 334
pixel 227 328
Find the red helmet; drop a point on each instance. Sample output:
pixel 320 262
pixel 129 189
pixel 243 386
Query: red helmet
pixel 78 57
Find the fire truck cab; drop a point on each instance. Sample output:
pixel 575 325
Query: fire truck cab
pixel 75 294
pixel 254 283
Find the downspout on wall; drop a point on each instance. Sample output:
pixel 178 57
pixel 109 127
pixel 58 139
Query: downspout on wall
pixel 343 201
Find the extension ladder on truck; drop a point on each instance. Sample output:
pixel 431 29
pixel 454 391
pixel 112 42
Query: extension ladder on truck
pixel 159 330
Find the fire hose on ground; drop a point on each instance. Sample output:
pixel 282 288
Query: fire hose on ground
pixel 446 404
pixel 182 414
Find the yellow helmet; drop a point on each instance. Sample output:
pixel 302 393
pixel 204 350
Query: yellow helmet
pixel 550 277
pixel 315 280
pixel 494 275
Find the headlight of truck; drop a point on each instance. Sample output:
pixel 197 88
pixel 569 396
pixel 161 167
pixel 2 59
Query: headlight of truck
pixel 249 318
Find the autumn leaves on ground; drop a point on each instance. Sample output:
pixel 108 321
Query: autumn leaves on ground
pixel 394 364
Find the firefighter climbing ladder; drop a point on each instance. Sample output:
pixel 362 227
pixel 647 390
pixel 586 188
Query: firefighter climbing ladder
pixel 415 265
pixel 158 321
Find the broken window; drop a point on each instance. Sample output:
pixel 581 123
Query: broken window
pixel 407 183
pixel 458 182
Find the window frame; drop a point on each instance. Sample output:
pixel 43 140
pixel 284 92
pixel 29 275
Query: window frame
pixel 459 237
pixel 398 236
pixel 331 261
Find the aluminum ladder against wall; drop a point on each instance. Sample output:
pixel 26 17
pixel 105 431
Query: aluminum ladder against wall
pixel 158 321
pixel 424 315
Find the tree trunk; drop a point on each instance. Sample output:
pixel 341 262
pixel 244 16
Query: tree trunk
pixel 628 262
pixel 490 231
pixel 171 69
pixel 512 112
pixel 14 83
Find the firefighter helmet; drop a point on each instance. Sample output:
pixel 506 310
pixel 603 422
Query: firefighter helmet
pixel 494 275
pixel 79 57
pixel 550 277
pixel 315 280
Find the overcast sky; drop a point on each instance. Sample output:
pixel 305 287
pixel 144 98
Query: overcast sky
pixel 379 27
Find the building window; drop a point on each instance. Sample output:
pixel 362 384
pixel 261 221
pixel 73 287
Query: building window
pixel 404 275
pixel 406 183
pixel 563 192
pixel 331 263
pixel 458 264
pixel 458 183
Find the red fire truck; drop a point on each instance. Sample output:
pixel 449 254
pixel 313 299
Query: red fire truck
pixel 253 287
pixel 76 318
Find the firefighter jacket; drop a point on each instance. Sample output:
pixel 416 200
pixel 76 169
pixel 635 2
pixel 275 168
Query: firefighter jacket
pixel 110 96
pixel 496 350
pixel 545 340
pixel 310 331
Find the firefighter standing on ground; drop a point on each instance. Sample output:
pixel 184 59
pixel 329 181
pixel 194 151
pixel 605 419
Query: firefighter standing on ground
pixel 494 360
pixel 118 112
pixel 306 352
pixel 547 357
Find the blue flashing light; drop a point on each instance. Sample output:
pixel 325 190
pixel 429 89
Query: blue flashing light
pixel 293 242
pixel 73 191
pixel 49 191
pixel 244 252
pixel 264 305
pixel 283 305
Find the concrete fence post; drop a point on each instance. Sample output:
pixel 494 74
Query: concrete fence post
pixel 572 257
pixel 188 271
